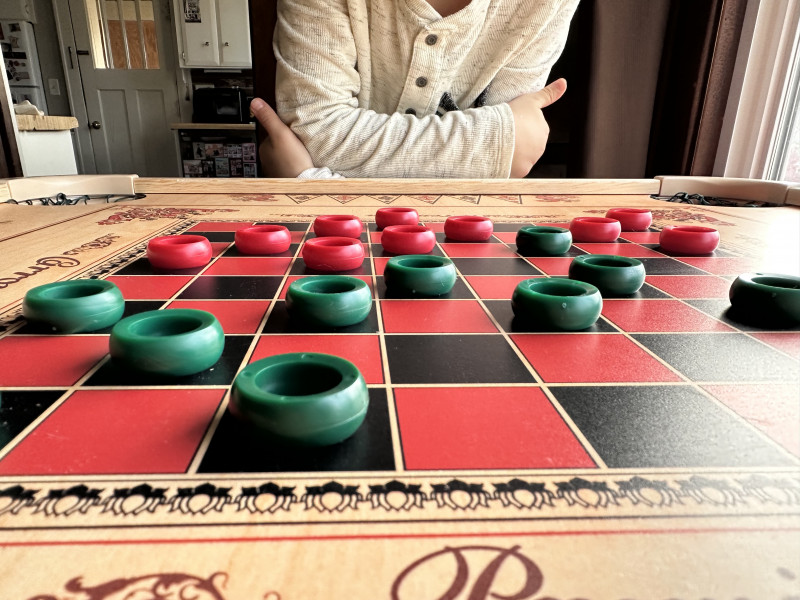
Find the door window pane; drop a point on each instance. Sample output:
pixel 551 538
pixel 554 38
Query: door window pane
pixel 123 34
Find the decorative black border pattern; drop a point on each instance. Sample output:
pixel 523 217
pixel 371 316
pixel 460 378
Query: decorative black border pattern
pixel 395 496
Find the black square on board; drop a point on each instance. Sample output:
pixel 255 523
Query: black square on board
pixel 236 448
pixel 454 359
pixel 721 309
pixel 214 236
pixel 112 373
pixel 721 357
pixel 459 292
pixel 18 409
pixel 377 250
pixel 495 266
pixel 279 321
pixel 510 226
pixel 142 266
pixel 669 266
pixel 289 226
pixel 664 426
pixel 219 287
pixel 232 252
pixel 299 268
pixel 504 314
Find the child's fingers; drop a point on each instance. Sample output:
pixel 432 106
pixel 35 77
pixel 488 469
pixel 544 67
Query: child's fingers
pixel 549 94
pixel 268 118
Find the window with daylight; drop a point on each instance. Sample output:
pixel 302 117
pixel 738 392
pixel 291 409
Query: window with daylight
pixel 123 34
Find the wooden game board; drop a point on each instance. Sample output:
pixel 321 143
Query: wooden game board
pixel 656 455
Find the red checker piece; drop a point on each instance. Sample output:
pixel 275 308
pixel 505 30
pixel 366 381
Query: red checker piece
pixel 384 217
pixel 408 239
pixel 468 229
pixel 631 219
pixel 179 251
pixel 594 229
pixel 338 226
pixel 263 239
pixel 333 253
pixel 689 239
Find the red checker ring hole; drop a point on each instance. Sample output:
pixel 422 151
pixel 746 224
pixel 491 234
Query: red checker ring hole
pixel 632 219
pixel 408 239
pixel 179 252
pixel 689 239
pixel 263 239
pixel 468 229
pixel 333 254
pixel 594 229
pixel 385 217
pixel 338 226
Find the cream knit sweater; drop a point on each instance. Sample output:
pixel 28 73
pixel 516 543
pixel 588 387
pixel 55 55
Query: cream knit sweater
pixel 373 88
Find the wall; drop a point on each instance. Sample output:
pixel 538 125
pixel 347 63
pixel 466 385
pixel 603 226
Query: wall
pixel 50 57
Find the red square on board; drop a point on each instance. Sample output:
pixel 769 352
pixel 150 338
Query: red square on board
pixel 435 316
pixel 375 237
pixel 552 265
pixel 691 286
pixel 380 264
pixel 235 316
pixel 509 237
pixel 495 287
pixel 435 227
pixel 363 351
pixel 365 278
pixel 617 249
pixel 641 237
pixel 484 428
pixel 249 266
pixel 772 408
pixel 117 431
pixel 788 342
pixel 218 248
pixel 149 287
pixel 590 358
pixel 659 316
pixel 219 226
pixel 49 360
pixel 485 250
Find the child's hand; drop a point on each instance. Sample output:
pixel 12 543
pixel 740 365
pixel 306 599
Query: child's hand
pixel 282 154
pixel 531 130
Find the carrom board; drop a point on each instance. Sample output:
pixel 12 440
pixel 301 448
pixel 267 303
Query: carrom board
pixel 654 455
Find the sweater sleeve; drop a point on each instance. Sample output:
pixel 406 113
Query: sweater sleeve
pixel 530 67
pixel 317 95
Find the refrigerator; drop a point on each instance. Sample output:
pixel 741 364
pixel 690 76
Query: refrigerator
pixel 21 62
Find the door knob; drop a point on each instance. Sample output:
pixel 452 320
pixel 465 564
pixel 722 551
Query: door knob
pixel 95 124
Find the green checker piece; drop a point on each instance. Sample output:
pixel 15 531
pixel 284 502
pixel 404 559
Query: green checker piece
pixel 767 297
pixel 612 275
pixel 175 341
pixel 75 306
pixel 561 304
pixel 420 274
pixel 537 240
pixel 301 398
pixel 329 300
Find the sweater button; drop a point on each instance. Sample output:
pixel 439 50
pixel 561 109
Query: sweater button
pixel 421 81
pixel 431 39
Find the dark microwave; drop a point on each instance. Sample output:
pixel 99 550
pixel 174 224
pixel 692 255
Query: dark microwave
pixel 220 105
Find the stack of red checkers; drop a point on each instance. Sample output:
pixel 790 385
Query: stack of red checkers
pixel 338 226
pixel 468 229
pixel 408 239
pixel 332 254
pixel 384 217
pixel 594 229
pixel 172 252
pixel 689 239
pixel 631 219
pixel 263 239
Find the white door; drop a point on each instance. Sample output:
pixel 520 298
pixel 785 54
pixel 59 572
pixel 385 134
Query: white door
pixel 124 52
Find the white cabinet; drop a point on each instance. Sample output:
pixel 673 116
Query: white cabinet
pixel 213 33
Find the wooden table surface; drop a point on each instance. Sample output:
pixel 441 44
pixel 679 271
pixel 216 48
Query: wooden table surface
pixel 723 545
